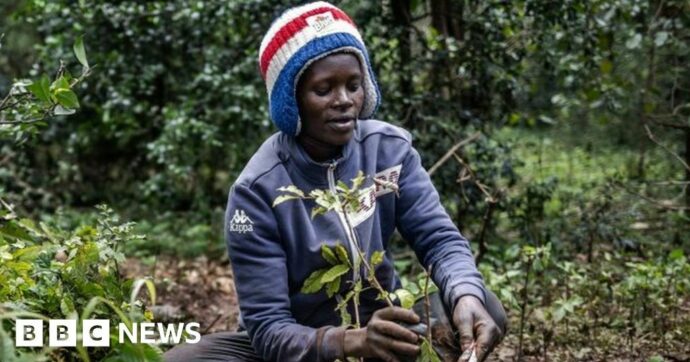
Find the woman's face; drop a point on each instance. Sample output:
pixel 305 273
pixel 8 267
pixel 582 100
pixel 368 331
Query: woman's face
pixel 330 97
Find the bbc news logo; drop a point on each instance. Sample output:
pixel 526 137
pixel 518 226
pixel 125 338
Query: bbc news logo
pixel 96 333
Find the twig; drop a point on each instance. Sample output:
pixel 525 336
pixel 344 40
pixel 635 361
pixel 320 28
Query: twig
pixel 482 234
pixel 473 177
pixel 653 139
pixel 213 323
pixel 427 304
pixel 670 124
pixel 452 151
pixel 23 121
pixel 657 203
pixel 364 261
pixel 355 302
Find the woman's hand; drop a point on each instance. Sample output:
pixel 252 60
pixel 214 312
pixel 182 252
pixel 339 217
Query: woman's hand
pixel 476 326
pixel 382 337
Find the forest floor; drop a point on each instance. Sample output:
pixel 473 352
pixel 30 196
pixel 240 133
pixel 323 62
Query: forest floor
pixel 203 291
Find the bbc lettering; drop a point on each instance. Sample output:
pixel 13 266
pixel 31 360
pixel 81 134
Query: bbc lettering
pixel 96 333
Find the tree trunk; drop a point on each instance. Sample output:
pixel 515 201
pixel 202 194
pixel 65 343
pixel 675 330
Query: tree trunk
pixel 687 171
pixel 402 20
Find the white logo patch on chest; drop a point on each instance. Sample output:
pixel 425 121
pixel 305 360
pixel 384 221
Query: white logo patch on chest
pixel 367 199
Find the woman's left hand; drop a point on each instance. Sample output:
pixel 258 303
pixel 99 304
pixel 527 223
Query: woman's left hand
pixel 476 327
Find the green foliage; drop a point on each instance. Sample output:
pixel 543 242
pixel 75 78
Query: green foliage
pixel 427 353
pixel 182 104
pixel 329 278
pixel 70 274
pixel 30 104
pixel 344 199
pixel 406 298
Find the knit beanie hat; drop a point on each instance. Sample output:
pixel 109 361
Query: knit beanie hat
pixel 296 39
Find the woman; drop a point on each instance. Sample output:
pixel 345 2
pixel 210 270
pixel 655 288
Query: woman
pixel 322 93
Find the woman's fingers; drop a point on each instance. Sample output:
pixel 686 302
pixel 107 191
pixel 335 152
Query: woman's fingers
pixel 394 346
pixel 395 331
pixel 384 354
pixel 397 314
pixel 488 336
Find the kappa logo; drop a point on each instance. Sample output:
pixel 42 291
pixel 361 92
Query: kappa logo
pixel 241 223
pixel 320 22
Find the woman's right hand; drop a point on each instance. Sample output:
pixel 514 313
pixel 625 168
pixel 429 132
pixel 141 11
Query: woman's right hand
pixel 382 337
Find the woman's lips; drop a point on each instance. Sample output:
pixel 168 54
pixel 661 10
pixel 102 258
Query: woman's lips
pixel 342 124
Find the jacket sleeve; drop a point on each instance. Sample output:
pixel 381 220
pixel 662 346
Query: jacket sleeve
pixel 260 272
pixel 424 223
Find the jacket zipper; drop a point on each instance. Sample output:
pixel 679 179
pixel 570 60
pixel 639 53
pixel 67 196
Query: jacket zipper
pixel 341 216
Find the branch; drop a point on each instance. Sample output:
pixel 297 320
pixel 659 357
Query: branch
pixel 482 234
pixel 452 151
pixel 483 188
pixel 657 203
pixel 427 304
pixel 22 121
pixel 670 124
pixel 677 156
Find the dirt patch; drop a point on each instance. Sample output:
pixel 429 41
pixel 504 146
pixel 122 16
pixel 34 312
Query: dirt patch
pixel 194 290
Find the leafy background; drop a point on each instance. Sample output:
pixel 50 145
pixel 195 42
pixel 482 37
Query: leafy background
pixel 573 188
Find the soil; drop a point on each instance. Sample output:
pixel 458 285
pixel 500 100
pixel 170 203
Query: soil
pixel 191 290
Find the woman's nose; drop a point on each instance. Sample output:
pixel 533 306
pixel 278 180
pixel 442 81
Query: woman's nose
pixel 343 98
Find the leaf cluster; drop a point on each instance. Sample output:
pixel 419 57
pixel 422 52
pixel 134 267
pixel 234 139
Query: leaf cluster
pixel 69 274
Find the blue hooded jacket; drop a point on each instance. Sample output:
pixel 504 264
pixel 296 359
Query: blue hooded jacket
pixel 274 249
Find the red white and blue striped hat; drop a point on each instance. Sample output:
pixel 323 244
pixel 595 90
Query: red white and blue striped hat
pixel 299 37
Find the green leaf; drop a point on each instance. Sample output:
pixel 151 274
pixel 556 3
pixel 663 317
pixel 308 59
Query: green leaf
pixel 427 353
pixel 343 303
pixel 606 66
pixel 6 346
pixel 384 295
pixel 15 231
pixel 376 258
pixel 313 283
pixel 343 256
pixel 558 314
pixel 292 189
pixel 341 186
pixel 62 111
pixel 41 89
pixel 406 298
pixel 334 273
pixel 660 38
pixel 358 287
pixel 66 305
pixel 333 287
pixel 282 198
pixel 318 211
pixel 634 42
pixel 137 287
pixel 328 254
pixel 676 254
pixel 79 51
pixel 345 317
pixel 358 180
pixel 60 83
pixel 66 98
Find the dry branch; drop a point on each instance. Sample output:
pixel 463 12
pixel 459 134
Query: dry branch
pixel 452 150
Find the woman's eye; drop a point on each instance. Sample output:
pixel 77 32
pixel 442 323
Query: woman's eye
pixel 322 91
pixel 354 87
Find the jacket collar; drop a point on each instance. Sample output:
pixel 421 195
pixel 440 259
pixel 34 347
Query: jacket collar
pixel 317 172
